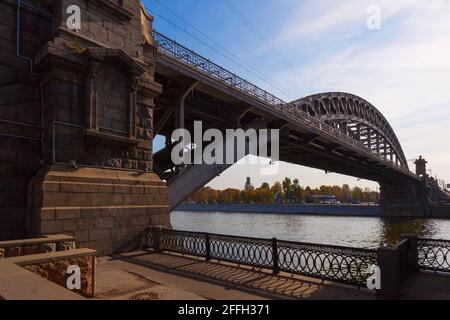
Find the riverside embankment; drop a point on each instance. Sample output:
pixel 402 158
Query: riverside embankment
pixel 309 209
pixel 437 211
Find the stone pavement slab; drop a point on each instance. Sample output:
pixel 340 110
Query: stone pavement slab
pixel 188 277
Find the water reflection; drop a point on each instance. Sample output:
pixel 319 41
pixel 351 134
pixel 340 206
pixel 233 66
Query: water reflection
pixel 392 228
pixel 365 232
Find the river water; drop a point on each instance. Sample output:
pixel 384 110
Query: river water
pixel 365 232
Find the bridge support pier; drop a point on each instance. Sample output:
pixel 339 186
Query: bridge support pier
pixel 76 136
pixel 102 208
pixel 405 198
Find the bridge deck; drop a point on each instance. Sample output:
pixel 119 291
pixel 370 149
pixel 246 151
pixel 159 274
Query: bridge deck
pixel 176 60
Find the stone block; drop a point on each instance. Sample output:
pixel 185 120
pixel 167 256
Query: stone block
pixel 105 188
pixel 81 235
pixel 144 220
pixel 99 234
pixel 87 244
pixel 121 233
pixel 56 271
pixel 108 212
pixel 148 199
pixel 79 188
pixel 69 225
pixel 161 220
pixel 65 246
pixel 28 250
pixel 116 39
pixel 104 199
pixel 90 212
pixel 8 156
pixel 104 247
pixel 50 186
pixel 47 214
pixel 100 33
pixel 68 214
pixel 132 199
pixel 13 252
pixel 58 199
pixel 47 247
pixel 86 224
pixel 121 189
pixel 104 223
pixel 137 189
pixel 51 227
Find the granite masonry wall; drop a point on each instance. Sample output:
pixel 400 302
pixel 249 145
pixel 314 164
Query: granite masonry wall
pixel 76 116
pixel 20 114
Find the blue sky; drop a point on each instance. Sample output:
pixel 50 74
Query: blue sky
pixel 300 48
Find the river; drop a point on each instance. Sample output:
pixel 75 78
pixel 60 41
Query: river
pixel 364 232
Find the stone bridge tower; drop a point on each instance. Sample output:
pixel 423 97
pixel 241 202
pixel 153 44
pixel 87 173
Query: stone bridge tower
pixel 76 122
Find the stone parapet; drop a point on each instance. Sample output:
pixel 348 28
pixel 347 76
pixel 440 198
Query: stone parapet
pixel 35 275
pixel 52 243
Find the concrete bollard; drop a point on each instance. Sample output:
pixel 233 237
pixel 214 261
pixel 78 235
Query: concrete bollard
pixel 413 257
pixel 388 260
pixel 207 247
pixel 275 266
pixel 157 236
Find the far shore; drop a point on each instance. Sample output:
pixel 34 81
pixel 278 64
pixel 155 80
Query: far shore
pixel 306 209
pixel 352 210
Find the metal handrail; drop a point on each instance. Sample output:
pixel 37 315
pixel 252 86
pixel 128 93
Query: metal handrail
pixel 327 262
pixel 433 254
pixel 177 51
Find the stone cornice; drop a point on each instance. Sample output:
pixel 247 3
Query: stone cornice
pixel 101 53
pixel 121 12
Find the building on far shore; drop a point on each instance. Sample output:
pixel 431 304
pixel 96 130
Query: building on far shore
pixel 323 199
pixel 248 184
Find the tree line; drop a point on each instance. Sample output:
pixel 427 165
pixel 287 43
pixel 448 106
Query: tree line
pixel 288 191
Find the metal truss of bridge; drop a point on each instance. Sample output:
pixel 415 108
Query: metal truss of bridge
pixel 335 132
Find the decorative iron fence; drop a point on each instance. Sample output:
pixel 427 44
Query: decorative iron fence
pixel 433 254
pixel 334 263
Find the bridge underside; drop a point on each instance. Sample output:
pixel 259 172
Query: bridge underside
pixel 200 99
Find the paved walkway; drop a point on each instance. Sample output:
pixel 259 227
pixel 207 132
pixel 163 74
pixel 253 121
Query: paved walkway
pixel 427 286
pixel 144 275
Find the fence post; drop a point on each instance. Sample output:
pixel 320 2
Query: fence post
pixel 388 260
pixel 207 247
pixel 413 257
pixel 157 235
pixel 275 267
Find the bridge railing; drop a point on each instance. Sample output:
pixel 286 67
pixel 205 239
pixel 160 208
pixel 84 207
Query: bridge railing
pixel 333 263
pixel 173 49
pixel 433 255
pixel 190 57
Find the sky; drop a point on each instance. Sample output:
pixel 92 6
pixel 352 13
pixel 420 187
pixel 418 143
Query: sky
pixel 295 48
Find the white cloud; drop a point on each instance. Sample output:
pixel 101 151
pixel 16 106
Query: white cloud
pixel 403 68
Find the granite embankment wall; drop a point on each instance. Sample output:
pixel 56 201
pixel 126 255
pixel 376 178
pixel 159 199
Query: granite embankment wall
pixel 438 211
pixel 310 209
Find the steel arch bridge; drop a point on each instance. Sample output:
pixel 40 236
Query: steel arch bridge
pixel 356 118
pixel 337 132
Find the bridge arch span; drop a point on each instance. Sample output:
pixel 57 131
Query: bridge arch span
pixel 357 118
